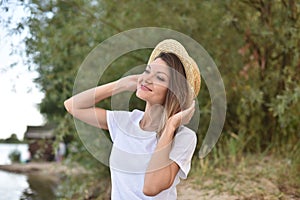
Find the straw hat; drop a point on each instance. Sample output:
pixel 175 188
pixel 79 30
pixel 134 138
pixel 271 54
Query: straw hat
pixel 190 66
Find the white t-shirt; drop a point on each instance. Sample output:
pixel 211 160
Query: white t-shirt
pixel 131 153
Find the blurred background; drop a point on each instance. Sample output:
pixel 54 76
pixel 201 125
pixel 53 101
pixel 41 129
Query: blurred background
pixel 254 43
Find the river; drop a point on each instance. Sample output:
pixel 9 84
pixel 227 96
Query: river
pixel 18 186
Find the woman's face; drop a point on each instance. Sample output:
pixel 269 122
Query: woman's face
pixel 152 85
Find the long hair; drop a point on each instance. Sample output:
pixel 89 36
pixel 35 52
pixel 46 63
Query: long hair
pixel 179 95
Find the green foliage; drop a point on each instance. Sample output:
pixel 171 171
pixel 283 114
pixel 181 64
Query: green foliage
pixel 13 139
pixel 15 156
pixel 267 99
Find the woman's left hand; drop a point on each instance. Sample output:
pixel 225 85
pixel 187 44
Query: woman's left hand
pixel 182 117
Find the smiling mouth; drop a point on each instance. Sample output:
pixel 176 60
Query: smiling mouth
pixel 145 88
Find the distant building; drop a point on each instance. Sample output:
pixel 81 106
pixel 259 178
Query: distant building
pixel 40 141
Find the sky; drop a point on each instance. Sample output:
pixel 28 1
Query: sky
pixel 20 96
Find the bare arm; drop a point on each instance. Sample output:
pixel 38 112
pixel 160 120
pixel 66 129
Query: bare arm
pixel 82 105
pixel 162 170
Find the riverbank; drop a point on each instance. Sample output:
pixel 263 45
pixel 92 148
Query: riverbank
pixel 252 177
pixel 51 169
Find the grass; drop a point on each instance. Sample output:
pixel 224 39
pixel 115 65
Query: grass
pixel 227 173
pixel 251 176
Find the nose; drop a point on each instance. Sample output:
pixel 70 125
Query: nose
pixel 148 78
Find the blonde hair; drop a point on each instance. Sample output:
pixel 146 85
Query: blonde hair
pixel 179 95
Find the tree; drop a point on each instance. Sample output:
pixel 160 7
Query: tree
pixel 12 139
pixel 267 83
pixel 256 50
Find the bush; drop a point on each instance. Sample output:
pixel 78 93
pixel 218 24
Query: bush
pixel 15 156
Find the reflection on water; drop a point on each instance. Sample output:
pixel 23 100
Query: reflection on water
pixel 12 185
pixel 29 187
pixel 20 187
pixel 40 188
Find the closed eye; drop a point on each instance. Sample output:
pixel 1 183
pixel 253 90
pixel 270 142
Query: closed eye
pixel 160 78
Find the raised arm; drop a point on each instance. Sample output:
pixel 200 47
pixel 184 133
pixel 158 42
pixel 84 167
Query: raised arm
pixel 82 105
pixel 161 171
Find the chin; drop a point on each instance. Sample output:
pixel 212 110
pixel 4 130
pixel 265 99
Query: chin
pixel 138 95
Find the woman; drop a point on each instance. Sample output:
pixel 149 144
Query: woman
pixel 151 149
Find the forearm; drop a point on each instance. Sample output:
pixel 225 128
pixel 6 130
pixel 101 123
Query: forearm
pixel 161 170
pixel 160 157
pixel 92 96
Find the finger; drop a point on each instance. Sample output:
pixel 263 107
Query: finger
pixel 190 111
pixel 192 106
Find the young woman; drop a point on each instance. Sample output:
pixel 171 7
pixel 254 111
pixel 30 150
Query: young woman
pixel 152 149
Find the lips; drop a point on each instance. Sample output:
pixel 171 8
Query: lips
pixel 145 88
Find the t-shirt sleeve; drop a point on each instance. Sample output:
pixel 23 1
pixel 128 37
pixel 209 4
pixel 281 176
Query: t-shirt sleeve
pixel 182 151
pixel 117 121
pixel 111 121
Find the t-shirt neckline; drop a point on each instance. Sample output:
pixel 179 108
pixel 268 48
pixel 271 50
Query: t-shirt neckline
pixel 136 120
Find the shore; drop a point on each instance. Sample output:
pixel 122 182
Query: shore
pixel 51 169
pixel 251 178
pixel 34 167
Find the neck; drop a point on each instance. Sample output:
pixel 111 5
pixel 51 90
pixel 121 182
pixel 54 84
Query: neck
pixel 152 117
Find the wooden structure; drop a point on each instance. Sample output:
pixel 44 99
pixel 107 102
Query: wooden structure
pixel 40 142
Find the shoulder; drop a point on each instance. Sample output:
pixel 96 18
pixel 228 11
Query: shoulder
pixel 183 147
pixel 136 113
pixel 123 118
pixel 124 114
pixel 120 121
pixel 186 133
pixel 185 137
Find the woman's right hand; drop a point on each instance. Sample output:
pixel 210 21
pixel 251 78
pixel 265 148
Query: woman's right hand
pixel 129 82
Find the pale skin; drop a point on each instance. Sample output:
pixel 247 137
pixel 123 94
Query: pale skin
pixel 150 86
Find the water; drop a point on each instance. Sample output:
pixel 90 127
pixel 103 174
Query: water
pixel 12 185
pixel 18 186
pixel 6 149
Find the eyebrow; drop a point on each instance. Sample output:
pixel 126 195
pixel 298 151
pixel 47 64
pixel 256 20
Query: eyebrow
pixel 159 71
